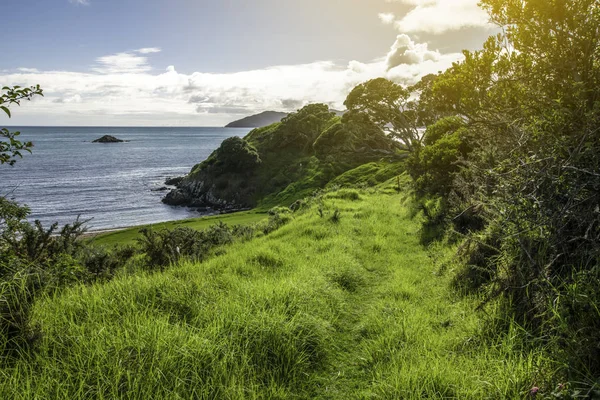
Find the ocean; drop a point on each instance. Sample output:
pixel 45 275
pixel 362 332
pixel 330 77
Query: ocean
pixel 113 185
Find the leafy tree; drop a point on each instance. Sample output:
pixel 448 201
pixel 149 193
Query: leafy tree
pixel 237 155
pixel 434 166
pixel 388 105
pixel 300 129
pixel 354 136
pixel 530 100
pixel 10 147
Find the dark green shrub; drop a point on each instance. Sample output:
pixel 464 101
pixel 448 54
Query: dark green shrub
pixel 162 248
pixel 235 155
pixel 102 264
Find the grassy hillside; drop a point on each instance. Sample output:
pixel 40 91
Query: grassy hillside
pixel 341 303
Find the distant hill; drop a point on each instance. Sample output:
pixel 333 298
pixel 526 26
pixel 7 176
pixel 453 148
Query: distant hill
pixel 258 120
pixel 265 118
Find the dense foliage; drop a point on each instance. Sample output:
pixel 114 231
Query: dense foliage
pixel 387 105
pixel 286 161
pixel 520 153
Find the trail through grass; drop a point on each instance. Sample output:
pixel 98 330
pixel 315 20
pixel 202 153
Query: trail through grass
pixel 323 308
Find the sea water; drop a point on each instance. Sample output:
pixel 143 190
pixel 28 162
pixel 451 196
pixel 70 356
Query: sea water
pixel 113 185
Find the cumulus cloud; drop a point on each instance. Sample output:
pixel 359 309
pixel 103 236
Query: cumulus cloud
pixel 406 51
pixel 387 18
pixel 439 16
pixel 81 2
pixel 122 89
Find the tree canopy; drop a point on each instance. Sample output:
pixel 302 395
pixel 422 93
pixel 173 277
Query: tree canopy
pixel 530 108
pixel 388 105
pixel 10 146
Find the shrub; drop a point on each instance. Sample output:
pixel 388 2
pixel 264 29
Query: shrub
pixel 166 247
pixel 278 217
pixel 102 264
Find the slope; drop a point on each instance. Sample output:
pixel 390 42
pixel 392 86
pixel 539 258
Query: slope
pixel 341 303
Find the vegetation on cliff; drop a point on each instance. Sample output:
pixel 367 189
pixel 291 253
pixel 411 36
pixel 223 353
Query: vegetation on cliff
pixel 284 162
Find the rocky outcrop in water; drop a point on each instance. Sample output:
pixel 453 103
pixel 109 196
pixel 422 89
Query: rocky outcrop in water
pixel 176 181
pixel 108 139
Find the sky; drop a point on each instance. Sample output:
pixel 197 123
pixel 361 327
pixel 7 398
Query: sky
pixel 206 63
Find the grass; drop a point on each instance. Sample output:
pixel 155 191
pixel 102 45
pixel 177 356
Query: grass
pixel 128 236
pixel 352 309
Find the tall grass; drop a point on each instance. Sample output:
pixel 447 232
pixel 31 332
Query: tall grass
pixel 346 309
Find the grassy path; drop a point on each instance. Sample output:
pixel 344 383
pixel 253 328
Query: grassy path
pixel 323 308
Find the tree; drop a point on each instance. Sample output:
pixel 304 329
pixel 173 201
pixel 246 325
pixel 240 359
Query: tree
pixel 531 103
pixel 10 146
pixel 299 130
pixel 388 105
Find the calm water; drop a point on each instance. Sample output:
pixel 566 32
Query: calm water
pixel 67 175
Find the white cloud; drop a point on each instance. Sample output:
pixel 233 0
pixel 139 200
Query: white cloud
pixel 439 16
pixel 28 70
pixel 123 90
pixel 82 2
pixel 387 18
pixel 405 51
pixel 69 99
pixel 122 63
pixel 148 50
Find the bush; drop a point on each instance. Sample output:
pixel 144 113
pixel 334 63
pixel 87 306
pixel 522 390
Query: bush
pixel 235 155
pixel 166 247
pixel 278 217
pixel 102 264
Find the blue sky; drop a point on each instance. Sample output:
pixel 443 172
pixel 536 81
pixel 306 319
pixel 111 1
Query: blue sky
pixel 185 62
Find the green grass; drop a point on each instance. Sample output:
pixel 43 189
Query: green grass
pixel 371 174
pixel 319 309
pixel 128 236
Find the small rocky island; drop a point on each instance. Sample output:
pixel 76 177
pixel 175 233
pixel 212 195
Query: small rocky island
pixel 108 139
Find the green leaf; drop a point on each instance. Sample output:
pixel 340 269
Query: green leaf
pixel 6 110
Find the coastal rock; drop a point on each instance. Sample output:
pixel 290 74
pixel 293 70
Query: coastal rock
pixel 174 181
pixel 177 197
pixel 108 139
